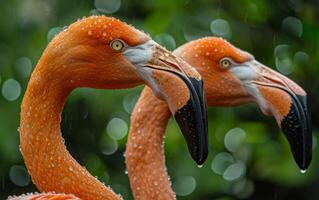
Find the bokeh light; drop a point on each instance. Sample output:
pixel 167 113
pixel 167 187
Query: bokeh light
pixel 11 89
pixel 283 60
pixel 107 6
pixel 129 102
pixel 292 25
pixel 19 175
pixel 243 188
pixel 34 12
pixel 24 66
pixel 53 32
pixel 166 40
pixel 235 171
pixel 108 146
pixel 195 28
pixel 301 58
pixel 221 28
pixel 234 138
pixel 221 162
pixel 117 128
pixel 184 185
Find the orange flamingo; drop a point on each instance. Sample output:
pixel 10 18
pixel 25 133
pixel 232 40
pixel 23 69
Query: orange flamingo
pixel 232 77
pixel 99 52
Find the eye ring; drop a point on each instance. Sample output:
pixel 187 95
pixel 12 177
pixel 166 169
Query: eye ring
pixel 225 63
pixel 117 45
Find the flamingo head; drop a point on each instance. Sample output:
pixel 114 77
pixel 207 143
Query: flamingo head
pixel 103 52
pixel 234 77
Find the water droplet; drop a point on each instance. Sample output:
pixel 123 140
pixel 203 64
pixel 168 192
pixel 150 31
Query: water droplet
pixel 303 171
pixel 199 166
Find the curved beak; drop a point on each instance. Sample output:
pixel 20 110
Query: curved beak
pixel 277 95
pixel 181 86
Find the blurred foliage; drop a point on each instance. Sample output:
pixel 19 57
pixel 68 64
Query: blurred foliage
pixel 257 164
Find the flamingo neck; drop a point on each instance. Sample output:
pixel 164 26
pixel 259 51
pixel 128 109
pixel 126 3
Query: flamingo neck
pixel 144 158
pixel 49 163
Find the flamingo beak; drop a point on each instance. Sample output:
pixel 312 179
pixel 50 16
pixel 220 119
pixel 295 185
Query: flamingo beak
pixel 279 96
pixel 181 86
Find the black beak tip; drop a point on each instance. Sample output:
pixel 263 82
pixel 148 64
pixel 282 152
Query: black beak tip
pixel 304 165
pixel 302 158
pixel 201 158
pixel 192 120
pixel 199 155
pixel 296 127
pixel 193 132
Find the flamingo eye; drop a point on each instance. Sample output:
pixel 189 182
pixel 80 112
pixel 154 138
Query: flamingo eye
pixel 117 45
pixel 225 63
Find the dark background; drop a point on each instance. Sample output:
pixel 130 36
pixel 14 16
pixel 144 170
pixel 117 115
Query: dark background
pixel 249 157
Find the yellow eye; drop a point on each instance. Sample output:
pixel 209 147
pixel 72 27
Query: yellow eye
pixel 117 45
pixel 225 63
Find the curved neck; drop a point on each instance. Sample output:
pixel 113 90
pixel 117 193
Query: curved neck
pixel 144 158
pixel 49 163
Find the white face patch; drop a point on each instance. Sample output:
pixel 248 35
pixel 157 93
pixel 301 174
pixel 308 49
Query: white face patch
pixel 247 72
pixel 140 54
pixel 243 72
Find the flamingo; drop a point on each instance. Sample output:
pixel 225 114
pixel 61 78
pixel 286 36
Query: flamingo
pixel 232 77
pixel 105 53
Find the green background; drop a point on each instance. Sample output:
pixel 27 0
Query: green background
pixel 249 157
